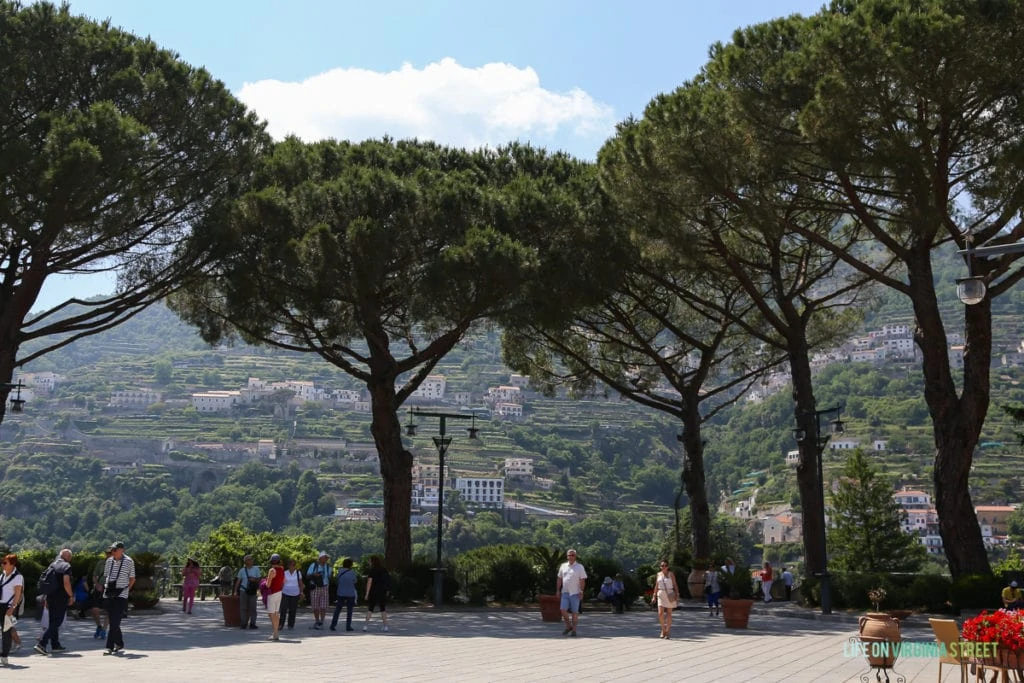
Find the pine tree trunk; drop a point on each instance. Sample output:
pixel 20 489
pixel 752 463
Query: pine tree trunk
pixel 396 473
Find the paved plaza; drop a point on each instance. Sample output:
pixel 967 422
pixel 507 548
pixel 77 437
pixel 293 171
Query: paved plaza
pixel 783 643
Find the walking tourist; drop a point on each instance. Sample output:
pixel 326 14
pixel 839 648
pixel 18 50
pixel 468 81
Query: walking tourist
pixel 290 592
pixel 318 576
pixel 346 594
pixel 666 597
pixel 569 584
pixel 247 586
pixel 58 595
pixel 713 591
pixel 766 581
pixel 275 582
pixel 120 577
pixel 97 606
pixel 190 576
pixel 12 592
pixel 787 582
pixel 378 583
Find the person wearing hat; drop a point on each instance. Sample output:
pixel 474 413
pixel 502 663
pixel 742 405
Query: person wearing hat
pixel 275 583
pixel 1013 597
pixel 247 586
pixel 318 578
pixel 120 578
pixel 608 594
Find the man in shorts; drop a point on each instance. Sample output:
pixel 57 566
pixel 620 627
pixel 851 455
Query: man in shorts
pixel 572 579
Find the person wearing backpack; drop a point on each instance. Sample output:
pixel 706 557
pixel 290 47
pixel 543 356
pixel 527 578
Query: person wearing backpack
pixel 55 585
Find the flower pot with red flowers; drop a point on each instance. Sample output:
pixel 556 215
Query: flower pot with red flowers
pixel 1002 628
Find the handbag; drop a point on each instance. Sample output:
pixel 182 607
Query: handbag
pixel 251 587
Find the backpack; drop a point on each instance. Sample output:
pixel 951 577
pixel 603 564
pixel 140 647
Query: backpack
pixel 49 581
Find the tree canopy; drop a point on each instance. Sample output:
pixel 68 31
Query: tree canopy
pixel 115 157
pixel 379 256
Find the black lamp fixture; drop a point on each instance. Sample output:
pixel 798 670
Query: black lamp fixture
pixel 17 403
pixel 442 441
pixel 970 290
pixel 807 421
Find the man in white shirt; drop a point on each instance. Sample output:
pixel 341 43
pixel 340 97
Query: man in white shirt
pixel 572 579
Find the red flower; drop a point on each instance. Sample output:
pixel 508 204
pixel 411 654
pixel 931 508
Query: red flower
pixel 1002 627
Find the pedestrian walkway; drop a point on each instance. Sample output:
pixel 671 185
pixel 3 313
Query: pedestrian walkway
pixel 470 645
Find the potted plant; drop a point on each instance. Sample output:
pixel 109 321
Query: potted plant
pixel 546 563
pixel 1006 629
pixel 879 627
pixel 737 596
pixel 143 599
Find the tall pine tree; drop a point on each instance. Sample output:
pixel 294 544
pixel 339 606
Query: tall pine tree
pixel 865 532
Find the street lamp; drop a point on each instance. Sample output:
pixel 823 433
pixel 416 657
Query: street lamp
pixel 17 403
pixel 441 442
pixel 808 429
pixel 972 289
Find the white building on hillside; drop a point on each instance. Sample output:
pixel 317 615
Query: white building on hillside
pixel 482 491
pixel 216 401
pixel 432 388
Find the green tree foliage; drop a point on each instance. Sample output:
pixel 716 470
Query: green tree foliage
pixel 379 257
pixel 232 541
pixel 115 157
pixel 866 535
pixel 906 117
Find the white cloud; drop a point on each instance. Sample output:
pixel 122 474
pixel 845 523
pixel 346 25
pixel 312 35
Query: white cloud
pixel 444 101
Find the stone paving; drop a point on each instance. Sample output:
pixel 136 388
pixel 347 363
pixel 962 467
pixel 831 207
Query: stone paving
pixel 782 644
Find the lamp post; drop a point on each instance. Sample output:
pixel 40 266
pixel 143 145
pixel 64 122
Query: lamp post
pixel 808 429
pixel 971 290
pixel 17 403
pixel 441 442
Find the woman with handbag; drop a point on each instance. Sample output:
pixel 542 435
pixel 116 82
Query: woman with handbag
pixel 666 596
pixel 318 578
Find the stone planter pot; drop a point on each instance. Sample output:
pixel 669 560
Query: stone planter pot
pixel 550 607
pixel 736 613
pixel 879 632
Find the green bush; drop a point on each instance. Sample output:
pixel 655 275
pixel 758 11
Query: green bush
pixel 511 579
pixel 930 592
pixel 976 591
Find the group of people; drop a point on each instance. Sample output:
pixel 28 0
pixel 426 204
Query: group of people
pixel 107 600
pixel 284 585
pixel 571 581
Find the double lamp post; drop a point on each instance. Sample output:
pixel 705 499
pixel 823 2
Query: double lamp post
pixel 441 442
pixel 808 430
pixel 17 403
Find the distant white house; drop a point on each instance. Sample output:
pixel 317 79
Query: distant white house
pixel 134 398
pixel 843 444
pixel 481 491
pixel 518 468
pixel 216 401
pixel 504 394
pixel 432 388
pixel 521 381
pixel 508 409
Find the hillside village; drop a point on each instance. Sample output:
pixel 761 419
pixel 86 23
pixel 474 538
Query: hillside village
pixel 775 523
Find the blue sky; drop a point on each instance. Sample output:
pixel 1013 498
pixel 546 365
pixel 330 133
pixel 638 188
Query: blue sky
pixel 559 74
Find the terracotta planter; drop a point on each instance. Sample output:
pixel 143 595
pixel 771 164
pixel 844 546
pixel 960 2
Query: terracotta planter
pixel 695 582
pixel 900 614
pixel 232 615
pixel 736 613
pixel 878 633
pixel 550 607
